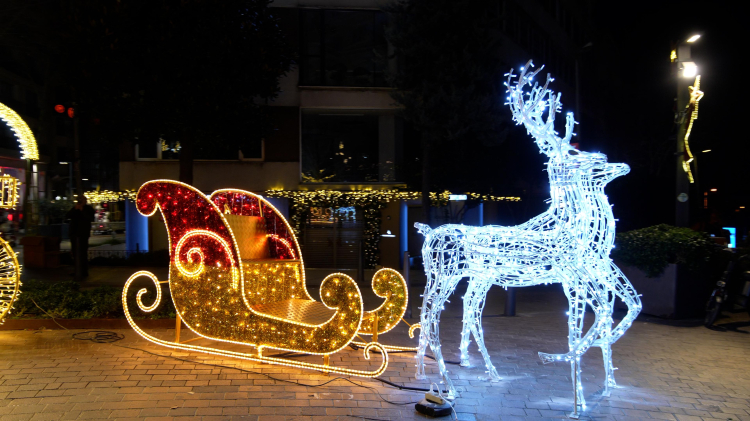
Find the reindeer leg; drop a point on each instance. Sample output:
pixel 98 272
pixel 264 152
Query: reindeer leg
pixel 579 294
pixel 432 308
pixel 468 319
pixel 605 345
pixel 436 294
pixel 609 369
pixel 577 313
pixel 623 290
pixel 472 318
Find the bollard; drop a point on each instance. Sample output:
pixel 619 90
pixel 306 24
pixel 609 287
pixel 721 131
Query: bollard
pixel 361 264
pixel 405 270
pixel 510 302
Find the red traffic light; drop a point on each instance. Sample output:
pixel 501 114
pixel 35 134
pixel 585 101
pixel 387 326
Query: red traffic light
pixel 60 108
pixel 71 112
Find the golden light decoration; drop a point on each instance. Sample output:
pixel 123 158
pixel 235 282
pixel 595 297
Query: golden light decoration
pixel 8 191
pixel 692 109
pixel 105 196
pixel 23 132
pixel 237 276
pixel 10 279
pixel 389 284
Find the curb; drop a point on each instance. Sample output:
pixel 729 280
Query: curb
pixel 36 324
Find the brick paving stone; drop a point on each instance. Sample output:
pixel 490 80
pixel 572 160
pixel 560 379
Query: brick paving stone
pixel 665 373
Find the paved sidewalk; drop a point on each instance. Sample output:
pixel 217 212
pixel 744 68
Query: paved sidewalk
pixel 665 372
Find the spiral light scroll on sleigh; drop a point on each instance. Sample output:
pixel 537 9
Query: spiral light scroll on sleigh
pixel 569 244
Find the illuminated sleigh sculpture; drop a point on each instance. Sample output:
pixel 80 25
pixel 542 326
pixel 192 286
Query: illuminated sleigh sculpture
pixel 236 275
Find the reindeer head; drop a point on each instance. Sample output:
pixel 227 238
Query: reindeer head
pixel 536 110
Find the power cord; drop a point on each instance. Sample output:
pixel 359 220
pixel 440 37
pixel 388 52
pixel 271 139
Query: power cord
pixel 99 336
pixel 104 336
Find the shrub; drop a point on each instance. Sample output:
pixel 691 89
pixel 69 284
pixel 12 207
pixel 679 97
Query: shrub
pixel 652 249
pixel 65 300
pixel 158 258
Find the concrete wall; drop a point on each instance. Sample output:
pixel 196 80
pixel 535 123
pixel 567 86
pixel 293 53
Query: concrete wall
pixel 212 175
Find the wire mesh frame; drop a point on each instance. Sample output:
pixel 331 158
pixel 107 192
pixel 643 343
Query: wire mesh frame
pixel 569 244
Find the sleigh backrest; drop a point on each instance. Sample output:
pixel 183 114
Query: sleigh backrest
pixel 269 250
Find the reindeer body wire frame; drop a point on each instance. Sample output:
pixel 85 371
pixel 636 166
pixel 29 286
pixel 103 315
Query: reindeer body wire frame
pixel 569 244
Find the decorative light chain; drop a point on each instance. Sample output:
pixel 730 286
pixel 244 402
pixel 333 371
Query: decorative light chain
pixel 105 196
pixel 8 191
pixel 23 132
pixel 370 201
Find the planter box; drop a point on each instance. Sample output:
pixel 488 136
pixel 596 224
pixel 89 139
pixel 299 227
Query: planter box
pixel 678 293
pixel 41 252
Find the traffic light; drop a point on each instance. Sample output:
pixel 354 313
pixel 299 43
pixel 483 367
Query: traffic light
pixel 60 108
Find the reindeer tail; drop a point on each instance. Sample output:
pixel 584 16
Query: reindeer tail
pixel 423 228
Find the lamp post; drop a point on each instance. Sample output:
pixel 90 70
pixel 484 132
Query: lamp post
pixel 686 74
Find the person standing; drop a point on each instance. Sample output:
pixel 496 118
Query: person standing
pixel 81 216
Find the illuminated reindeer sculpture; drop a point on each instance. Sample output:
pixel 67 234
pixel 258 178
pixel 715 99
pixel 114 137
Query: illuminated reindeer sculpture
pixel 569 243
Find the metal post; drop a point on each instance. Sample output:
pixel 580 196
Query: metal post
pixel 361 262
pixel 682 184
pixel 375 328
pixel 405 270
pixel 70 181
pixel 177 327
pixel 510 302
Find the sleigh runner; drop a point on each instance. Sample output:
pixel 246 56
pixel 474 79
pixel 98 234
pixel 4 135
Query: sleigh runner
pixel 237 275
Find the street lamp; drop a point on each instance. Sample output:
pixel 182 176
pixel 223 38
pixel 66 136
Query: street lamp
pixel 688 95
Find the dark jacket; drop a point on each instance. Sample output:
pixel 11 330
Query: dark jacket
pixel 80 221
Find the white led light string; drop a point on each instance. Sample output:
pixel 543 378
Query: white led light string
pixel 569 244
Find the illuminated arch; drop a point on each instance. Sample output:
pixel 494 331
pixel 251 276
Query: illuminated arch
pixel 23 133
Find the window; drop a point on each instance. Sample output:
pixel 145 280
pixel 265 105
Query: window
pixel 349 146
pixel 332 237
pixel 164 149
pixel 343 48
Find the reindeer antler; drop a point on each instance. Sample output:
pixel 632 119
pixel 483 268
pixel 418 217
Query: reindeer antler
pixel 530 112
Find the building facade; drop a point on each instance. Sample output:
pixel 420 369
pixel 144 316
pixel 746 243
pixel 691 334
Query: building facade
pixel 337 129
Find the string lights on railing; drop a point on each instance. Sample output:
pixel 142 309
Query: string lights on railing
pixel 105 196
pixel 370 201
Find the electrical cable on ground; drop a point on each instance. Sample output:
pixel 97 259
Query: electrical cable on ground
pixel 104 336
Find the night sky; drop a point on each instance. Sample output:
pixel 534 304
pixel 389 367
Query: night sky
pixel 632 44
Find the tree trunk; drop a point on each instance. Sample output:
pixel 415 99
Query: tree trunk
pixel 186 160
pixel 426 180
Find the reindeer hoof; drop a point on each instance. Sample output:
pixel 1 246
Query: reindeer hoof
pixel 551 358
pixel 601 343
pixel 465 362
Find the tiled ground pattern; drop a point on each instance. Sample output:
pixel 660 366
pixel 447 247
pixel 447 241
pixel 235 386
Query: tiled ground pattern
pixel 665 372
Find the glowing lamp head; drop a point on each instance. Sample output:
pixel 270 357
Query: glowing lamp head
pixel 59 108
pixel 693 38
pixel 689 69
